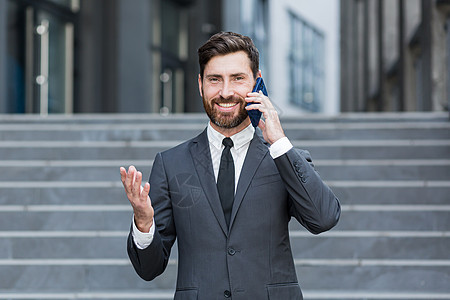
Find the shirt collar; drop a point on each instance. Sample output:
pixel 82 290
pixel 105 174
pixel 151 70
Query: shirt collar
pixel 239 139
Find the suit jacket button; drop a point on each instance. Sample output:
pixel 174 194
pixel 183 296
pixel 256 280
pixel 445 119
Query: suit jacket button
pixel 227 294
pixel 231 251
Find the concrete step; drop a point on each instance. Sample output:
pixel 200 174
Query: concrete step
pixel 100 132
pixel 420 219
pixel 66 220
pixel 61 245
pixel 418 244
pixel 109 217
pixel 376 276
pixel 71 171
pixel 412 193
pixel 111 192
pixel 180 131
pixel 53 244
pixel 378 149
pixel 168 294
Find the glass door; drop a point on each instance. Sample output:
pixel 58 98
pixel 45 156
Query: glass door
pixel 170 53
pixel 41 45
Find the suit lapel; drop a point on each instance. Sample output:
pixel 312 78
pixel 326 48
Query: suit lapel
pixel 255 154
pixel 201 155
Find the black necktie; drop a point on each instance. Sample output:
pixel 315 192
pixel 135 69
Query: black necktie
pixel 225 180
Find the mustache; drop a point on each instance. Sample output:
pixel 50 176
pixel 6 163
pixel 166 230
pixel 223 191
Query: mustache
pixel 231 99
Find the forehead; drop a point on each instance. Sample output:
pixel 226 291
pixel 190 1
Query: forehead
pixel 233 63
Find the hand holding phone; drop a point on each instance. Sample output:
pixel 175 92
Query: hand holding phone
pixel 255 114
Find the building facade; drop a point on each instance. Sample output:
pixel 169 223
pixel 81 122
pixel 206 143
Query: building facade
pixel 395 55
pixel 118 56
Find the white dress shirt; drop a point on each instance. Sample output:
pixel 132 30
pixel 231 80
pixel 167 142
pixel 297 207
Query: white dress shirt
pixel 241 141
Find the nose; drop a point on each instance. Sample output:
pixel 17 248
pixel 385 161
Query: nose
pixel 226 91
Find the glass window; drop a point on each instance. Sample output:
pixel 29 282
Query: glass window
pixel 254 25
pixel 447 26
pixel 306 67
pixel 56 60
pixel 170 49
pixel 40 58
pixel 74 5
pixel 170 18
pixel 16 59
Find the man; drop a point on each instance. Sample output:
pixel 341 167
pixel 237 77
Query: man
pixel 228 248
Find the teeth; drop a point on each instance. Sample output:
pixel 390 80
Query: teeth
pixel 226 105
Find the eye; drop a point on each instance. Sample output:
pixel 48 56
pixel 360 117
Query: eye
pixel 213 79
pixel 239 78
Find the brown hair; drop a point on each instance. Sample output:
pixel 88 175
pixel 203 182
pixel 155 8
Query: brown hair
pixel 225 43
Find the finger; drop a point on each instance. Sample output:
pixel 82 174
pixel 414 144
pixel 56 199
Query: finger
pixel 130 174
pixel 262 107
pixel 255 94
pixel 130 179
pixel 136 186
pixel 266 101
pixel 123 178
pixel 123 174
pixel 254 106
pixel 139 181
pixel 254 99
pixel 145 191
pixel 260 99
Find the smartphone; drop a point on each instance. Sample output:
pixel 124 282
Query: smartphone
pixel 255 114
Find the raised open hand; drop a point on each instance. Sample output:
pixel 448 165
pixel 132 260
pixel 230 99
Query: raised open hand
pixel 138 197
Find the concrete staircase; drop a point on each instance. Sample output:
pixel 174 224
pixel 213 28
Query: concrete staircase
pixel 64 217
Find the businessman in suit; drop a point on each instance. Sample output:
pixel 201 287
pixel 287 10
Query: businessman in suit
pixel 228 194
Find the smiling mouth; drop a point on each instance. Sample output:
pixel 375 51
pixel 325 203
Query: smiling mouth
pixel 227 105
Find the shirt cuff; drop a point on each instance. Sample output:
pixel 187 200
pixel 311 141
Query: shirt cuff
pixel 280 147
pixel 142 239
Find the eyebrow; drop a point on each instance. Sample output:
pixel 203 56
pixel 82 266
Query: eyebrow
pixel 220 76
pixel 239 74
pixel 213 75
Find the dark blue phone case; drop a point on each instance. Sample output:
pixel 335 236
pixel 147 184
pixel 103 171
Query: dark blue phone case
pixel 255 114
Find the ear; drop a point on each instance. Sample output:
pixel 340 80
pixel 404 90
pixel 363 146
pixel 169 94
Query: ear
pixel 200 85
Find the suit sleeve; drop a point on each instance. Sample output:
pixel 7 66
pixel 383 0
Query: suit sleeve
pixel 152 261
pixel 312 202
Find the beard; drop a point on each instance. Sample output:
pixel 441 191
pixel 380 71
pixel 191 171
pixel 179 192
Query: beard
pixel 222 119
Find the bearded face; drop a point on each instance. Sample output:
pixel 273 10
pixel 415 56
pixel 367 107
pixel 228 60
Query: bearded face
pixel 223 119
pixel 226 81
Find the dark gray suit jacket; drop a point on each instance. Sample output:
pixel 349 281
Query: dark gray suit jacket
pixel 251 259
